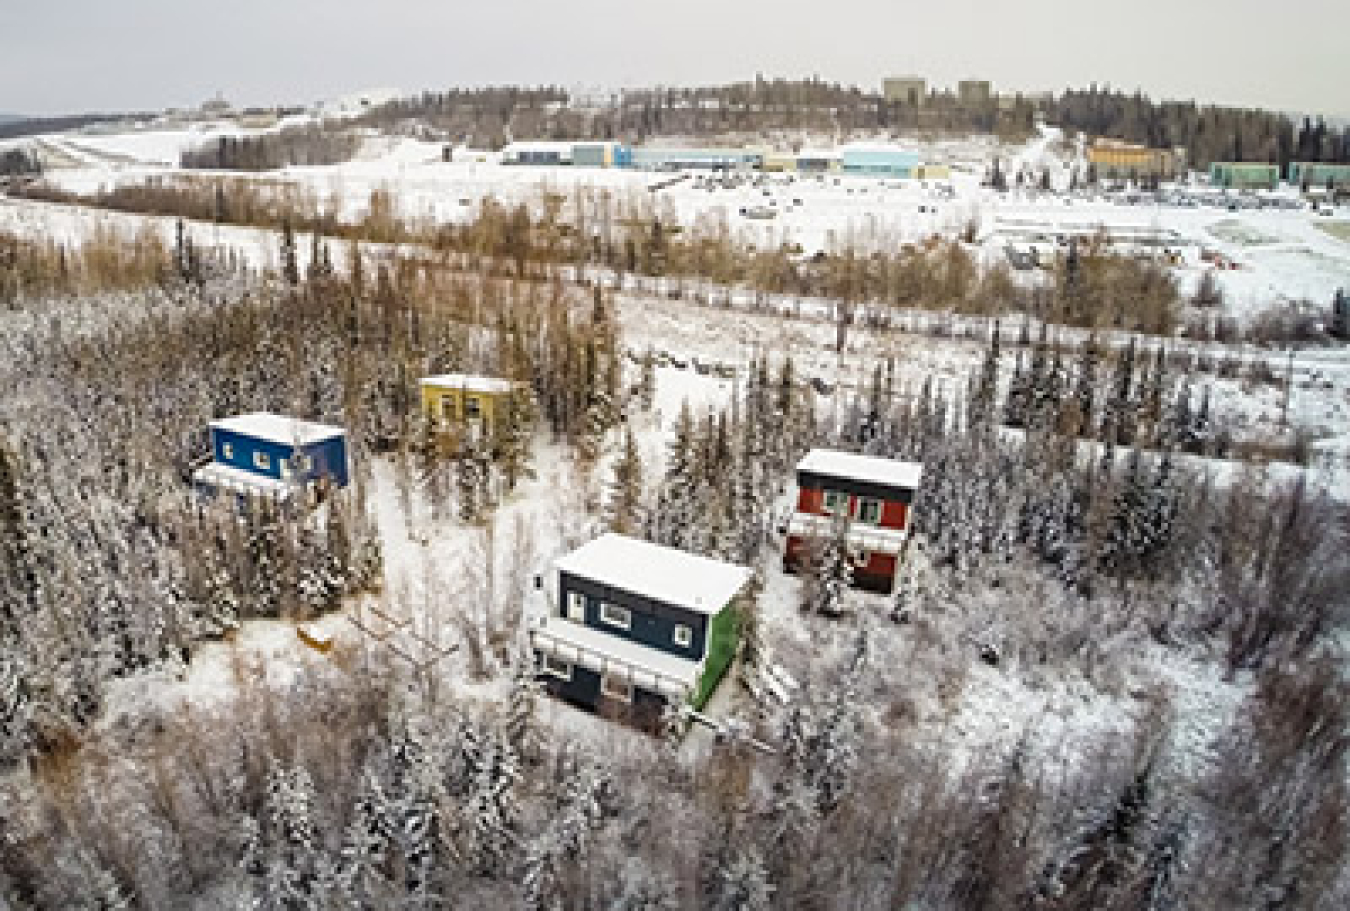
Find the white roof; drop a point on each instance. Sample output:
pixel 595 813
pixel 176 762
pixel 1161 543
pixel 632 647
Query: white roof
pixel 652 571
pixel 870 469
pixel 227 477
pixel 605 654
pixel 278 428
pixel 471 383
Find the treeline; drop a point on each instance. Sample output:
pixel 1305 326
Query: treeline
pixel 297 145
pixel 488 116
pixel 35 126
pixel 1208 133
pixel 108 260
pixel 19 162
pixel 870 274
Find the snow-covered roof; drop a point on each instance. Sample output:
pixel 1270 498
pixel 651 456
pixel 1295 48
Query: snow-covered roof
pixel 227 477
pixel 871 469
pixel 661 573
pixel 278 428
pixel 489 384
pixel 598 651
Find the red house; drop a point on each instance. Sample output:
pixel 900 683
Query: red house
pixel 872 495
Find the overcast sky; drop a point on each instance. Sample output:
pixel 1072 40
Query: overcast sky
pixel 64 56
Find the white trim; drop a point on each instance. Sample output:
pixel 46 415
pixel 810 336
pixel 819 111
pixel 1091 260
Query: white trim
pixel 683 635
pixel 576 607
pixel 877 539
pixel 553 666
pixel 261 460
pixel 835 510
pixel 655 670
pixel 615 615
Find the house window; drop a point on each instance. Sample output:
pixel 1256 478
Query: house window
pixel 448 407
pixel 683 635
pixel 262 460
pixel 615 615
pixel 859 556
pixel 473 409
pixel 836 503
pixel 556 667
pixel 576 607
pixel 227 450
pixel 869 511
pixel 616 688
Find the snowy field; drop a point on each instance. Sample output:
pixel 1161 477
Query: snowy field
pixel 1281 255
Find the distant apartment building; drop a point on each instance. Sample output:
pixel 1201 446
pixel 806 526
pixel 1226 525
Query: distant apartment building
pixel 1117 160
pixel 1319 175
pixel 974 93
pixel 1244 175
pixel 910 90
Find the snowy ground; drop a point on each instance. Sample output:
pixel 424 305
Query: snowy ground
pixel 1281 254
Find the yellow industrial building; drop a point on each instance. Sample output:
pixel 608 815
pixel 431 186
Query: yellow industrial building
pixel 1117 160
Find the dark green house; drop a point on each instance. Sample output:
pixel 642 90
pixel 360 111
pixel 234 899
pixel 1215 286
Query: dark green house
pixel 637 627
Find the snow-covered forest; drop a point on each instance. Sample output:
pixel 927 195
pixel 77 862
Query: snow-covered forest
pixel 1113 676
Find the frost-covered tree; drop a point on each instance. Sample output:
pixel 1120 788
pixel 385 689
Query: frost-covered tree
pixel 625 490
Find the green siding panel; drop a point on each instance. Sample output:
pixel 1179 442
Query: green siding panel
pixel 724 634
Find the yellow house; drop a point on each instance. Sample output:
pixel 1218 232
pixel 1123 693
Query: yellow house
pixel 458 398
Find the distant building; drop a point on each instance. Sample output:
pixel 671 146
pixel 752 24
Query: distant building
pixel 1117 160
pixel 258 119
pixel 1319 175
pixel 474 403
pixel 872 495
pixel 819 161
pixel 216 107
pixel 681 158
pixel 910 90
pixel 878 160
pixel 1244 175
pixel 538 153
pixel 601 155
pixel 272 456
pixel 974 93
pixel 637 628
pixel 933 172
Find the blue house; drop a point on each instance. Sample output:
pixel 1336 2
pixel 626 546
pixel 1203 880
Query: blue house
pixel 637 627
pixel 271 455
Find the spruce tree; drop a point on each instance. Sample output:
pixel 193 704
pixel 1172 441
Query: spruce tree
pixel 625 494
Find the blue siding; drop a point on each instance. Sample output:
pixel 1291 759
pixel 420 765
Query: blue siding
pixel 244 449
pixel 653 623
pixel 329 456
pixel 330 460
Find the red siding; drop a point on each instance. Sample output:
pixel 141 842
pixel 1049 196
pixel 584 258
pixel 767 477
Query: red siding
pixel 893 514
pixel 811 501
